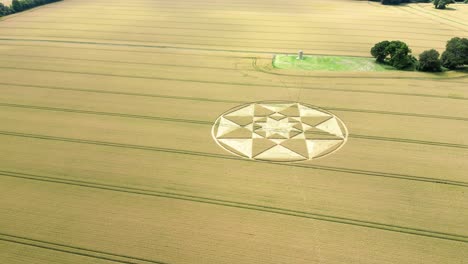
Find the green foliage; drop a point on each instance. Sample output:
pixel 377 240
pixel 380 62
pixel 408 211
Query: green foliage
pixel 442 4
pixel 21 5
pixel 398 55
pixel 327 63
pixel 395 53
pixel 4 10
pixel 17 6
pixel 402 61
pixel 429 61
pixel 379 50
pixel 456 53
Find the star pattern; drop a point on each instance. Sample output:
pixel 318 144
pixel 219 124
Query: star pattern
pixel 279 131
pixel 272 127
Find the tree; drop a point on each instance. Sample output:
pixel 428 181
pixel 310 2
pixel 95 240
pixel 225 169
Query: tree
pixel 379 51
pixel 17 6
pixel 402 60
pixel 456 53
pixel 4 10
pixel 396 53
pixel 429 61
pixel 442 4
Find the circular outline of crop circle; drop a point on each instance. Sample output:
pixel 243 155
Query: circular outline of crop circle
pixel 343 126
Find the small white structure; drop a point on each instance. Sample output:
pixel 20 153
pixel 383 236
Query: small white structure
pixel 300 55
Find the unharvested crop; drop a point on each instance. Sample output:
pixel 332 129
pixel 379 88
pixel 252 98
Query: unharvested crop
pixel 106 112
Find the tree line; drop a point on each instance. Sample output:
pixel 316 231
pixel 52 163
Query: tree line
pixel 21 5
pixel 397 54
pixel 439 4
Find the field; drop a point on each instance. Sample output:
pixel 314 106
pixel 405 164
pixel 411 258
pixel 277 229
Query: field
pixel 107 156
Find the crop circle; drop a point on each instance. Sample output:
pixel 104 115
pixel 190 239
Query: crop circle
pixel 280 131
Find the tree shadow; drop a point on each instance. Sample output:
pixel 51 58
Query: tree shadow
pixel 448 8
pixel 463 69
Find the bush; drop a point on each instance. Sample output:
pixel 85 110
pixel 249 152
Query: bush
pixel 456 53
pixel 429 61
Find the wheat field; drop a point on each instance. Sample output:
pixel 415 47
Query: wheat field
pixel 107 156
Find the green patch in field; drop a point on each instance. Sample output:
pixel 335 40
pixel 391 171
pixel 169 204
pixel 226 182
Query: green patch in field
pixel 328 63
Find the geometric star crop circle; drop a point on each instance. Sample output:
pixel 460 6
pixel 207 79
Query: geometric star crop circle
pixel 279 131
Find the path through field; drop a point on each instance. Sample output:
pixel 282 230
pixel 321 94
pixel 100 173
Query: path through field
pixel 106 111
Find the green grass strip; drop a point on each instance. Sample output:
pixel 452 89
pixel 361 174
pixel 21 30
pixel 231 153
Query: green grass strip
pixel 328 63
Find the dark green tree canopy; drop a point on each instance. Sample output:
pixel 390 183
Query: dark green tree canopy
pixel 4 10
pixel 429 61
pixel 395 53
pixel 456 53
pixel 17 6
pixel 379 50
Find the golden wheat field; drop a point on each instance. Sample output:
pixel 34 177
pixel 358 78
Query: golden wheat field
pixel 107 153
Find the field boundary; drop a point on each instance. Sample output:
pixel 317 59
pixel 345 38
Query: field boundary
pixel 240 205
pixel 231 157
